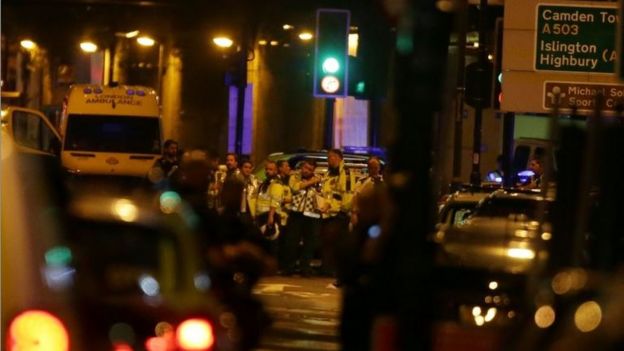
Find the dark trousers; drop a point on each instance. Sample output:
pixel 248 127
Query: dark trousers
pixel 299 228
pixel 334 231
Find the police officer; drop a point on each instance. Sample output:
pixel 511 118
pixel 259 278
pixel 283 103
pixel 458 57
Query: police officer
pixel 304 222
pixel 250 188
pixel 268 203
pixel 337 193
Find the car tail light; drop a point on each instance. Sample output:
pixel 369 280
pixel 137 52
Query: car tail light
pixel 158 343
pixel 37 330
pixel 195 334
pixel 122 346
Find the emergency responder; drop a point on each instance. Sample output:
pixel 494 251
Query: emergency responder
pixel 268 204
pixel 304 222
pixel 250 188
pixel 335 204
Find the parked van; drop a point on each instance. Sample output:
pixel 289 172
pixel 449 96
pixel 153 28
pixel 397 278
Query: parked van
pixel 29 131
pixel 110 130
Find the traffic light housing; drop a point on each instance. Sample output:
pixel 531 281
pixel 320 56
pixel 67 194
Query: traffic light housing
pixel 331 65
pixel 478 84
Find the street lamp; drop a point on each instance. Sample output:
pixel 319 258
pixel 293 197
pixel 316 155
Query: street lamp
pixel 145 41
pixel 131 34
pixel 88 46
pixel 305 36
pixel 222 42
pixel 28 44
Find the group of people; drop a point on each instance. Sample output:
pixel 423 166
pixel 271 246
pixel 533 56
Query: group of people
pixel 298 213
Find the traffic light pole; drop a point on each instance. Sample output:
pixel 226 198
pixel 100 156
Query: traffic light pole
pixel 328 141
pixel 461 23
pixel 508 134
pixel 475 175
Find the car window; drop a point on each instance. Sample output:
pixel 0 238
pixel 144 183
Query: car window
pixel 122 259
pixel 26 129
pixel 461 214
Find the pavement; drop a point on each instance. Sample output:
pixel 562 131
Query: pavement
pixel 305 312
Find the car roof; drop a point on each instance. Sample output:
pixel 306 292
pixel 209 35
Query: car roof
pixel 520 194
pixel 466 197
pixel 319 155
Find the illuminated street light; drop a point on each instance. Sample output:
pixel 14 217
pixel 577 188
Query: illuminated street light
pixel 28 44
pixel 88 46
pixel 262 42
pixel 223 42
pixel 145 41
pixel 287 27
pixel 132 34
pixel 274 42
pixel 305 36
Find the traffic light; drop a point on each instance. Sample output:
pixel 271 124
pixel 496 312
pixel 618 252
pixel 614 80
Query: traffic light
pixel 331 67
pixel 359 87
pixel 478 84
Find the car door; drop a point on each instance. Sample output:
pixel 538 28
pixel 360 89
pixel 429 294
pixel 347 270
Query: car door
pixel 31 132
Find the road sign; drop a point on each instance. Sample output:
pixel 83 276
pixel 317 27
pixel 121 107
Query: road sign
pixel 571 43
pixel 582 96
pixel 575 38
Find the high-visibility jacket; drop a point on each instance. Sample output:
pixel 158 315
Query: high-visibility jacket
pixel 250 193
pixel 270 197
pixel 304 201
pixel 337 190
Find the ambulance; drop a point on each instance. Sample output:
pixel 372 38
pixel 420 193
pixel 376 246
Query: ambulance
pixel 110 130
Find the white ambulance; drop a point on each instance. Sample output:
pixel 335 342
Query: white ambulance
pixel 110 130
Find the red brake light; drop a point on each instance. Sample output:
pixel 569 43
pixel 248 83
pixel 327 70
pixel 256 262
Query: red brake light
pixel 195 334
pixel 37 330
pixel 122 346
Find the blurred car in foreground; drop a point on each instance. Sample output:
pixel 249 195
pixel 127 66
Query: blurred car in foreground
pixel 576 309
pixel 139 278
pixel 34 315
pixel 483 269
pixel 507 232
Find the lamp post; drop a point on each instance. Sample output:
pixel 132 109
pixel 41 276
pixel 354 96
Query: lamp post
pixel 147 41
pixel 241 84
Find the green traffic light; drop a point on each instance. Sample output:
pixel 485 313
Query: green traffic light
pixel 331 65
pixel 360 87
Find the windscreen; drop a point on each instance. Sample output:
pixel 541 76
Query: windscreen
pixel 124 134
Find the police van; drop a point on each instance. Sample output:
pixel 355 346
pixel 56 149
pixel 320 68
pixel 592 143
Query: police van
pixel 110 130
